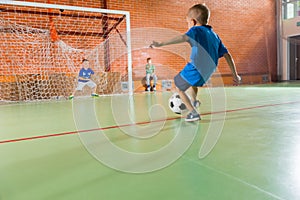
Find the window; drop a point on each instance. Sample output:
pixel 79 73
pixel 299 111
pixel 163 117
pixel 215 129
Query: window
pixel 298 8
pixel 290 8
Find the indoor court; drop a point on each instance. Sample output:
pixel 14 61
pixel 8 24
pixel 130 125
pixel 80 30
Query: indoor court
pixel 255 157
pixel 83 118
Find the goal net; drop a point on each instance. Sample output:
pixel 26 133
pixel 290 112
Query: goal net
pixel 43 45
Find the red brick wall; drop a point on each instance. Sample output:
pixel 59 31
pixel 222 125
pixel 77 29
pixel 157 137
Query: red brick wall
pixel 247 28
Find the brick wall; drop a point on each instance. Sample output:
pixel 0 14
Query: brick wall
pixel 247 28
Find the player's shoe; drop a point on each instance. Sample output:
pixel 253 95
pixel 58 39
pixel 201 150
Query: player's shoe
pixel 196 103
pixel 148 88
pixel 95 95
pixel 192 117
pixel 71 97
pixel 154 88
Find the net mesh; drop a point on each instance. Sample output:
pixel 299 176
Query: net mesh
pixel 42 49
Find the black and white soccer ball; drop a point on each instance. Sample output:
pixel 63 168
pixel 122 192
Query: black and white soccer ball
pixel 176 104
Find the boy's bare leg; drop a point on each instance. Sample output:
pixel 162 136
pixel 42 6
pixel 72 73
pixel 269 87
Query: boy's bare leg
pixel 192 91
pixel 94 93
pixel 185 99
pixel 94 90
pixel 193 114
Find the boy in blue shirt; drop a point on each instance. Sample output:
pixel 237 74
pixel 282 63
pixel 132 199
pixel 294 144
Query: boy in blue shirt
pixel 207 48
pixel 84 78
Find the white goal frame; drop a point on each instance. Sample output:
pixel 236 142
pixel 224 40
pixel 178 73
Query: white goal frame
pixel 86 9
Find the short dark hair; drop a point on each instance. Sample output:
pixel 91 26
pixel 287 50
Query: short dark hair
pixel 84 60
pixel 148 59
pixel 199 12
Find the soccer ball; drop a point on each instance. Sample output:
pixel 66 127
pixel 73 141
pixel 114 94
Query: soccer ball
pixel 176 104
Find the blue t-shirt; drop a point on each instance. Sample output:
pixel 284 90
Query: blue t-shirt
pixel 207 48
pixel 85 73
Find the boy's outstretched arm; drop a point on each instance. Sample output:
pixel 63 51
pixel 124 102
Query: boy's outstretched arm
pixel 176 40
pixel 232 67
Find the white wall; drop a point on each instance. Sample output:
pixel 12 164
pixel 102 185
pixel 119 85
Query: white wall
pixel 289 28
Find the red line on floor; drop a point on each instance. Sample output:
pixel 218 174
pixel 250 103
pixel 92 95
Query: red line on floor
pixel 140 123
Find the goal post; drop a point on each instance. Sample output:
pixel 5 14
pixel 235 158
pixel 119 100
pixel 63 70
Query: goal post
pixel 43 45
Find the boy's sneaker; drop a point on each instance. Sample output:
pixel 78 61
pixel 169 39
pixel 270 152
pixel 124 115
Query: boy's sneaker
pixel 196 103
pixel 71 97
pixel 148 88
pixel 95 95
pixel 154 88
pixel 192 117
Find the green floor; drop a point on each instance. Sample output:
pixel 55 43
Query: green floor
pixel 251 151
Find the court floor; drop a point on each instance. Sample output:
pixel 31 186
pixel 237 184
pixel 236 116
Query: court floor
pixel 247 146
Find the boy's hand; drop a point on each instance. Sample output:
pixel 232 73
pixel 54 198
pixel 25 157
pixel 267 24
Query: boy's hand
pixel 237 80
pixel 155 44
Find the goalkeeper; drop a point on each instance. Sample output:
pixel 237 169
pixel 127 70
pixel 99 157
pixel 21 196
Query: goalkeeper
pixel 84 79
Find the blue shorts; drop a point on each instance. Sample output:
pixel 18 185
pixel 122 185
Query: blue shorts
pixel 192 75
pixel 188 77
